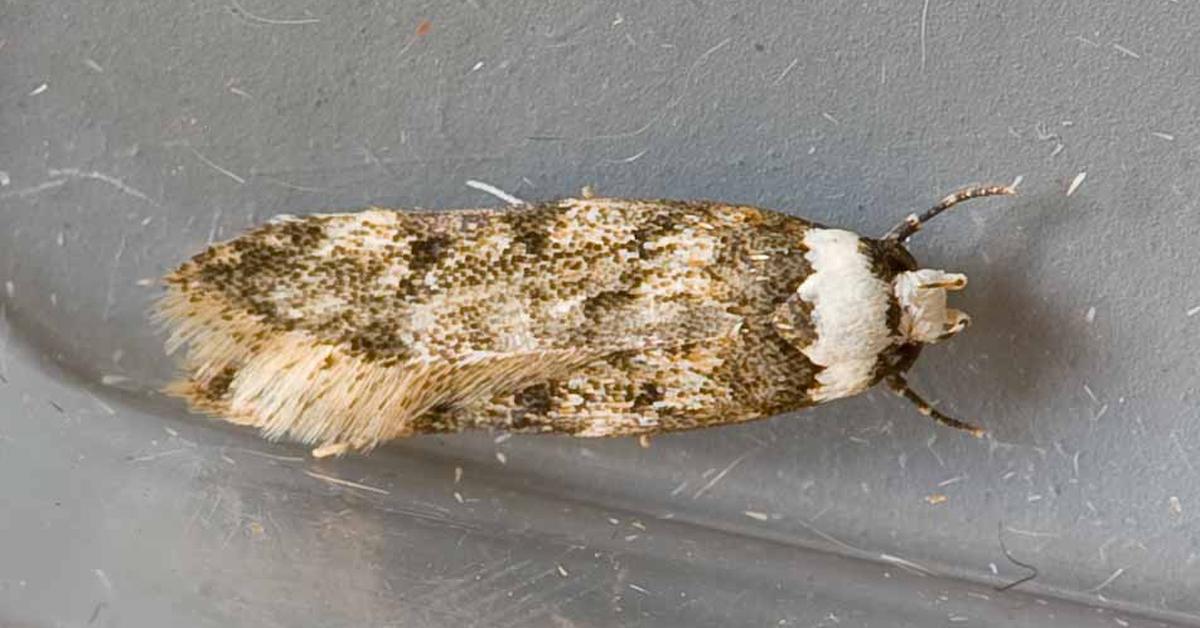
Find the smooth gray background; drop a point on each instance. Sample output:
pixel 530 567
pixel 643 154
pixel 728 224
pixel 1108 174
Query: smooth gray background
pixel 132 133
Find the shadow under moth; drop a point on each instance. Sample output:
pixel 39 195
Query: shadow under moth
pixel 587 316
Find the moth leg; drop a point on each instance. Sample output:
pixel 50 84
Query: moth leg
pixel 913 222
pixel 898 385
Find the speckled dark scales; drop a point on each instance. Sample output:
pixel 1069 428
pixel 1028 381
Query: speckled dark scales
pixel 593 317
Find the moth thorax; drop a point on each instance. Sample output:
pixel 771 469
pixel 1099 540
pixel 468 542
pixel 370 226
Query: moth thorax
pixel 924 317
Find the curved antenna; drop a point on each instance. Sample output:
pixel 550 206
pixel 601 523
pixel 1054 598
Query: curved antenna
pixel 913 223
pixel 899 385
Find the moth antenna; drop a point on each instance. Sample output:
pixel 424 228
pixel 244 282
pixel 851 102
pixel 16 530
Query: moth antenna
pixel 913 223
pixel 900 386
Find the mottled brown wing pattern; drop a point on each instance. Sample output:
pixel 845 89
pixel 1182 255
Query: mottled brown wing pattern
pixel 362 327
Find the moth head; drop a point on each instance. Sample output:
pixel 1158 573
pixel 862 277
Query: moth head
pixel 921 295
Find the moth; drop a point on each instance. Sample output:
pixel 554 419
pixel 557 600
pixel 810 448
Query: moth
pixel 585 316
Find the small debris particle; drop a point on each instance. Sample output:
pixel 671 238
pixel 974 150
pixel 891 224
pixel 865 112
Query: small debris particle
pixel 956 619
pixel 1120 622
pixel 458 474
pixel 994 568
pixel 501 457
pixel 1017 181
pixel 1125 51
pixel 495 191
pixel 39 89
pixel 9 289
pixel 113 380
pixel 96 67
pixel 502 437
pixel 1175 506
pixel 1078 181
pixel 147 281
pixel 330 449
pixel 1193 311
pixel 1091 315
pixel 760 516
pixel 637 524
pixel 1163 136
pixel 478 65
pixel 458 497
pixel 1034 498
pixel 614 521
pixel 936 498
pixel 954 480
pixel 830 118
pixel 639 589
pixel 424 27
pixel 562 571
pixel 4 179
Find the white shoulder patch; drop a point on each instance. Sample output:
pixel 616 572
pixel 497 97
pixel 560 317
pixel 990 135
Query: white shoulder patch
pixel 849 313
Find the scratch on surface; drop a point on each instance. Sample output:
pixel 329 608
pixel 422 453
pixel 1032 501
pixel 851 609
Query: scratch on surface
pixel 720 476
pixel 828 537
pixel 1183 453
pixel 1032 533
pixel 1107 581
pixel 687 76
pixel 155 456
pixel 290 186
pixel 33 190
pixel 76 173
pixel 785 72
pixel 924 23
pixel 904 563
pixel 628 160
pixel 208 162
pixel 239 11
pixel 264 454
pixel 346 483
pixel 215 228
pixel 1125 51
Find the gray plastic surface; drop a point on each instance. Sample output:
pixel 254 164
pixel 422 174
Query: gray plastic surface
pixel 132 133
